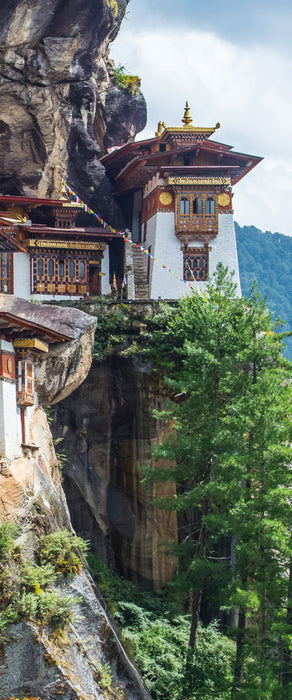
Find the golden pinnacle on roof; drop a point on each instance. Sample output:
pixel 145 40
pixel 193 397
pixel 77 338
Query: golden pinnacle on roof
pixel 187 119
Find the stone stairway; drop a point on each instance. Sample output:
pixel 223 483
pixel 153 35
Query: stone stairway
pixel 140 261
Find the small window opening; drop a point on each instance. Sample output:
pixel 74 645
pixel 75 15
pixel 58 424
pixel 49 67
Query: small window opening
pixel 184 206
pixel 210 205
pixel 40 268
pixel 51 268
pixel 72 269
pixel 197 206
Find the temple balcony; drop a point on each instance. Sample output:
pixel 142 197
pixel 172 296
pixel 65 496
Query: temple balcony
pixel 202 226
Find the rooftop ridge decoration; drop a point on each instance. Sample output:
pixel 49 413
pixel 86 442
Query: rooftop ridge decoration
pixel 187 128
pixel 187 119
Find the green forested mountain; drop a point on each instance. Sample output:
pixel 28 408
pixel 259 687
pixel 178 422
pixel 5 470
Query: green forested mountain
pixel 267 258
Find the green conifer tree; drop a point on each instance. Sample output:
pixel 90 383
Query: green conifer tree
pixel 230 454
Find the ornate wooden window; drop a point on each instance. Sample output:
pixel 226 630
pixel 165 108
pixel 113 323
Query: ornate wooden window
pixel 197 205
pixel 40 267
pixel 184 205
pixel 58 273
pixel 72 269
pixel 6 273
pixel 61 268
pixel 196 264
pixel 25 381
pixel 210 205
pixel 51 267
pixel 82 268
pixel 196 215
pixel 65 217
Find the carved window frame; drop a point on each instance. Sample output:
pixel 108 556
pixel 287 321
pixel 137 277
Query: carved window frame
pixel 196 264
pixel 6 273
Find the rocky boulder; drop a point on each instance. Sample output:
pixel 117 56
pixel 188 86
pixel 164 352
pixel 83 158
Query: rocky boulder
pixel 67 363
pixel 54 112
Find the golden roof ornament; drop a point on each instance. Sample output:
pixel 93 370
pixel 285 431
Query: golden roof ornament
pixel 160 127
pixel 187 119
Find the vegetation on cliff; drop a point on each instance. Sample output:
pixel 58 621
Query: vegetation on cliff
pixel 230 405
pixel 125 81
pixel 155 632
pixel 26 588
pixel 230 457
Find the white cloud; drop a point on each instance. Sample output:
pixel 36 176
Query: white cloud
pixel 246 89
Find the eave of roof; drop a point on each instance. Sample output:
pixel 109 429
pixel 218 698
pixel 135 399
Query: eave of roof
pixel 35 201
pixel 91 232
pixel 16 324
pixel 9 244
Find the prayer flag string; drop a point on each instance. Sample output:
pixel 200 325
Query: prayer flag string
pixel 122 234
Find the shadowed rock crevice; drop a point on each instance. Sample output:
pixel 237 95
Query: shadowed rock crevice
pixel 108 430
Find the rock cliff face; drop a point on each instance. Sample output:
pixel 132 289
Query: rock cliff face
pixel 59 109
pixel 109 430
pixel 33 661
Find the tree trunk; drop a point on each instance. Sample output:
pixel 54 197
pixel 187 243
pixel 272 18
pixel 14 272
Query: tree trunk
pixel 197 598
pixel 238 668
pixel 287 655
pixel 196 609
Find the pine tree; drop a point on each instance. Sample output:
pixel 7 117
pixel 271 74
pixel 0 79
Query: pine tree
pixel 229 453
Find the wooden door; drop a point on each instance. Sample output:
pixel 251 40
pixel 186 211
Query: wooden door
pixel 94 280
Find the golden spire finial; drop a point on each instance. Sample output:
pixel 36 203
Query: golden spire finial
pixel 187 119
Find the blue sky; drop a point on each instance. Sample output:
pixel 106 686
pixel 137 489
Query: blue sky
pixel 233 62
pixel 246 21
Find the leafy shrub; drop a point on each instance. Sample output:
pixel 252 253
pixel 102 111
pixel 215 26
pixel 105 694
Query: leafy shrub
pixel 131 83
pixel 156 635
pixel 37 577
pixel 105 676
pixel 54 609
pixel 26 605
pixel 22 583
pixel 8 532
pixel 60 550
pixel 113 329
pixel 7 617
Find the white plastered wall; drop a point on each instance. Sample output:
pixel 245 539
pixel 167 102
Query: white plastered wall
pixel 105 283
pixel 137 208
pixel 10 425
pixel 167 248
pixel 224 249
pixel 21 274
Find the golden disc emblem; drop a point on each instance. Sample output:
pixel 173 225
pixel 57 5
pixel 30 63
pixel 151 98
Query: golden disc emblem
pixel 165 198
pixel 223 199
